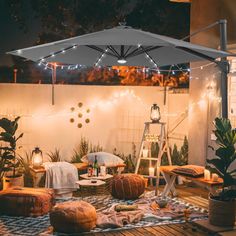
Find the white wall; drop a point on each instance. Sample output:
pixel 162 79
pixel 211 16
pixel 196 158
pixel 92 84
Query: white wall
pixel 117 114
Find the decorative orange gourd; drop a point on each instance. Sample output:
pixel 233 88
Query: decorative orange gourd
pixel 127 186
pixel 73 217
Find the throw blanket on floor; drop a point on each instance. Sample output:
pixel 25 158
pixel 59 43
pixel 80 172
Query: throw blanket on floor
pixel 61 176
pixel 148 210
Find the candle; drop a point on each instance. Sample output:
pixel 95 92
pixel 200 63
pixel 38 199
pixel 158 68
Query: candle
pixel 151 171
pixel 207 174
pixel 145 152
pixel 103 170
pixel 215 177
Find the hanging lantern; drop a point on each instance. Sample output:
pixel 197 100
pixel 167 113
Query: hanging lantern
pixel 155 115
pixel 37 157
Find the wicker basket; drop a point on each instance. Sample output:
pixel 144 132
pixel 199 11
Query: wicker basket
pixel 221 213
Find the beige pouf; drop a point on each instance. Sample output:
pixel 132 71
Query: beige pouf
pixel 73 217
pixel 127 186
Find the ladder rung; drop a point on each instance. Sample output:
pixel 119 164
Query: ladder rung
pixel 152 141
pixel 152 177
pixel 149 158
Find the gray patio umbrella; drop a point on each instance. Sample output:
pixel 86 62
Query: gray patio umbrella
pixel 121 45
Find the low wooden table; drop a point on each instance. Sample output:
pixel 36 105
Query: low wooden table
pixel 38 173
pixel 103 189
pixel 170 178
pixel 104 178
pixel 86 187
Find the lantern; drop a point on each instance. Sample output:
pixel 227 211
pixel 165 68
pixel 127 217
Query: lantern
pixel 37 157
pixel 155 115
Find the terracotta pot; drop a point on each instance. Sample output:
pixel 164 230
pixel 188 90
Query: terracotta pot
pixel 10 181
pixel 221 213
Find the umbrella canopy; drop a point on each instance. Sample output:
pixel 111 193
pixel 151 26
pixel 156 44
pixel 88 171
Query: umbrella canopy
pixel 121 45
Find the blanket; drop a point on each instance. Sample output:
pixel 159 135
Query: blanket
pixel 147 210
pixel 61 176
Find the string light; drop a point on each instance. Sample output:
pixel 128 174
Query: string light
pixel 147 70
pixel 100 58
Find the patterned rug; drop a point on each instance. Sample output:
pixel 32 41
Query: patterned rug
pixel 28 226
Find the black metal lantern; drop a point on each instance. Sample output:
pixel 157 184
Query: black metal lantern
pixel 155 115
pixel 37 157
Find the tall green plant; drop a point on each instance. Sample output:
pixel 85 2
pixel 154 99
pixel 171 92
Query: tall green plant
pixel 55 156
pixel 221 164
pixel 25 163
pixel 9 138
pixel 83 149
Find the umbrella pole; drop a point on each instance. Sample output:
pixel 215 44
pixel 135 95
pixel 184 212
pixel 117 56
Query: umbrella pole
pixel 224 68
pixel 54 77
pixel 223 64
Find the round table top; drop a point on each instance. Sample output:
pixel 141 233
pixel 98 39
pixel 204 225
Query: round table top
pixel 100 177
pixel 88 182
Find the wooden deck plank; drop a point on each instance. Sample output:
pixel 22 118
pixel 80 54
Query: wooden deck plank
pixel 135 232
pixel 126 233
pixel 171 230
pixel 163 230
pixel 179 228
pixel 150 229
pixel 145 232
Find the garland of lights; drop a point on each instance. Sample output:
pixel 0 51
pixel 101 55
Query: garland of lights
pixel 209 94
pixel 106 51
pixel 144 70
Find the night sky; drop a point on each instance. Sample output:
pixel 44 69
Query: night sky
pixel 57 19
pixel 11 37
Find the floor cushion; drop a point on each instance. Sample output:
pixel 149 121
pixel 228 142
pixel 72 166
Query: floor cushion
pixel 73 217
pixel 190 170
pixel 127 186
pixel 19 201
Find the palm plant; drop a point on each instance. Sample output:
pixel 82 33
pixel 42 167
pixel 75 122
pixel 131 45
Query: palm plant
pixel 55 156
pixel 25 163
pixel 83 149
pixel 221 164
pixel 9 137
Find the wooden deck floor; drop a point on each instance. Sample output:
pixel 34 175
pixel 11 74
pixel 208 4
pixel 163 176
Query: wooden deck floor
pixel 167 230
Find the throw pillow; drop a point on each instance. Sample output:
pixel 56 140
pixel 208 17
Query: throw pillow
pixel 103 158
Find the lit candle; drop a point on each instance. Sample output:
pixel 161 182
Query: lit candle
pixel 151 171
pixel 215 177
pixel 207 174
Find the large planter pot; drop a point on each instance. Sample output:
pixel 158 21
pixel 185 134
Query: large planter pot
pixel 10 181
pixel 221 213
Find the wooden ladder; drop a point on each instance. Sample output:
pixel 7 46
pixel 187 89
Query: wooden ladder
pixel 162 140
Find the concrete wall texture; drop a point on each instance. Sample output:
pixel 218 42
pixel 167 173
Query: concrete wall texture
pixel 117 114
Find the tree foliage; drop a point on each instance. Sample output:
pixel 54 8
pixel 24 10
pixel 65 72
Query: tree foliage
pixel 66 18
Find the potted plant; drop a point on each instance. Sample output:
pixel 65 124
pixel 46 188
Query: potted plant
pixel 222 204
pixel 10 164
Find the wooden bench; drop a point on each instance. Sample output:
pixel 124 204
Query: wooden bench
pixel 38 173
pixel 170 178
